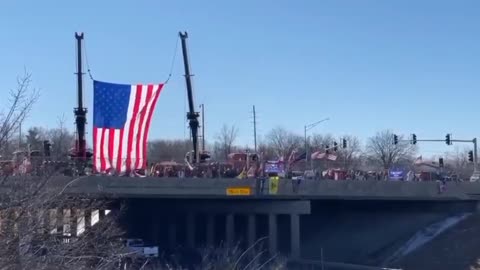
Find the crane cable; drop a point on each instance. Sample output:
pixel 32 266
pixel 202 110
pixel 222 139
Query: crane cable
pixel 172 64
pixel 86 60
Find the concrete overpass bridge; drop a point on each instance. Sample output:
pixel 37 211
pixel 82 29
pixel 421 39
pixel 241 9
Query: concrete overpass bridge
pixel 356 222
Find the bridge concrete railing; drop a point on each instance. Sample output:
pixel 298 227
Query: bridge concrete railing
pixel 126 187
pixel 151 187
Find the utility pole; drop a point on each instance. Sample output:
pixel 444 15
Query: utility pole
pixel 255 128
pixel 475 157
pixel 306 148
pixel 80 112
pixel 192 116
pixel 306 128
pixel 203 127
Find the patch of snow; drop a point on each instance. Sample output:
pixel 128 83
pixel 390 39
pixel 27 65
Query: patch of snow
pixel 426 235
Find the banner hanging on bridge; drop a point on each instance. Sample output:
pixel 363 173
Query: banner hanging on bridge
pixel 122 115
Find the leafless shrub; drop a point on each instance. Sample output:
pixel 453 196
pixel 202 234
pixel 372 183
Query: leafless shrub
pixel 222 257
pixel 40 228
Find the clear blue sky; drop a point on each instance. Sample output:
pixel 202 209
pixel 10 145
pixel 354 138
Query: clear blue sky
pixel 411 66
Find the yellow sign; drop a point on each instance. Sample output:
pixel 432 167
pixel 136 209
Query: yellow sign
pixel 239 191
pixel 273 185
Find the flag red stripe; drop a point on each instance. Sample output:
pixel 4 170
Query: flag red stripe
pixel 131 131
pixel 140 133
pixel 95 160
pixel 120 157
pixel 111 145
pixel 147 126
pixel 102 153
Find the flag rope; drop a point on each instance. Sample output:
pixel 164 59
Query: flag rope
pixel 172 64
pixel 86 60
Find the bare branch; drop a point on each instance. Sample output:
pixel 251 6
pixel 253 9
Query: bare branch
pixel 283 142
pixel 21 101
pixel 225 140
pixel 380 148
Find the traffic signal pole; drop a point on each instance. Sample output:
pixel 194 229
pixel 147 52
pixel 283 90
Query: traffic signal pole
pixel 307 128
pixel 475 161
pixel 449 142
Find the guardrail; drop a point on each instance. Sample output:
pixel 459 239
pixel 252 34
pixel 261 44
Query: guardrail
pixel 316 264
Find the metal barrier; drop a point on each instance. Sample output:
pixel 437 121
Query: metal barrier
pixel 316 264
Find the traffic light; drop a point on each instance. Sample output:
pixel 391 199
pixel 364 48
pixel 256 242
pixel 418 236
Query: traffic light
pixel 470 156
pixel 448 140
pixel 335 144
pixel 414 139
pixel 326 149
pixel 440 162
pixel 344 143
pixel 395 139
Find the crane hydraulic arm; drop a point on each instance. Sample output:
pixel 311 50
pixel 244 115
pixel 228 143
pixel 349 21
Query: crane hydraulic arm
pixel 192 115
pixel 80 112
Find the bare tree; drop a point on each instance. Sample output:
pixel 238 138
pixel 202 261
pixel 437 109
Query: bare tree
pixel 44 228
pixel 457 162
pixel 381 149
pixel 166 150
pixel 283 142
pixel 21 100
pixel 34 137
pixel 266 151
pixel 319 141
pixel 61 138
pixel 225 140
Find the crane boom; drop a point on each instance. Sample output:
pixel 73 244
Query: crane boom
pixel 80 112
pixel 192 115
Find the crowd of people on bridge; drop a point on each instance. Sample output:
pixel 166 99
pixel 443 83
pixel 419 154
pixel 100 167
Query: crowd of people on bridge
pixel 224 170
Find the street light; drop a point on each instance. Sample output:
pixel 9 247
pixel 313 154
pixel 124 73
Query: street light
pixel 307 128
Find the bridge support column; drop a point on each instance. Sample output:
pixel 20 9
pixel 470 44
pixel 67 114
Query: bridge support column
pixel 295 236
pixel 155 229
pixel 45 221
pixel 74 222
pixel 210 230
pixel 87 219
pixel 51 221
pixel 59 221
pixel 67 228
pixel 251 230
pixel 172 232
pixel 4 220
pixel 190 230
pixel 477 207
pixel 101 214
pixel 272 234
pixel 230 229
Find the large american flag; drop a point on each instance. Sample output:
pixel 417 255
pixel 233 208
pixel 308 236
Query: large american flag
pixel 122 115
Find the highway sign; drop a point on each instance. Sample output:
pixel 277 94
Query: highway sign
pixel 239 191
